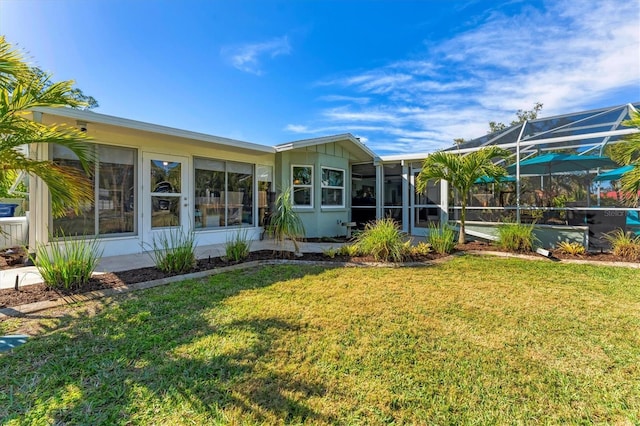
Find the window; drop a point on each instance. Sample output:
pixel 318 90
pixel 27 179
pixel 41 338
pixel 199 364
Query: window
pixel 266 196
pixel 223 193
pixel 114 208
pixel 332 187
pixel 302 185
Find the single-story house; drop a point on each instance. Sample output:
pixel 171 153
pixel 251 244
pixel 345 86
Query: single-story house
pixel 151 178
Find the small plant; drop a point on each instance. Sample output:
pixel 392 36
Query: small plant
pixel 571 248
pixel 174 251
pixel 238 247
pixel 331 253
pixel 383 240
pixel 515 237
pixel 350 250
pixel 442 239
pixel 285 222
pixel 420 249
pixel 624 244
pixel 67 263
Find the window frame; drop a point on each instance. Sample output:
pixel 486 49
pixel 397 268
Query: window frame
pixel 97 172
pixel 295 186
pixel 342 188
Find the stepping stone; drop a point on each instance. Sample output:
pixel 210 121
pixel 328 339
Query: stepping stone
pixel 10 342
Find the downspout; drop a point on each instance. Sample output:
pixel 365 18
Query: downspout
pixel 518 171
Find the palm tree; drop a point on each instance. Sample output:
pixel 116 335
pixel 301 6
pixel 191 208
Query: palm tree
pixel 628 153
pixel 21 89
pixel 285 221
pixel 461 171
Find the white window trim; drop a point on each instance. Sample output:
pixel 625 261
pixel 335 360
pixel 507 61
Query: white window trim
pixel 294 186
pixel 343 187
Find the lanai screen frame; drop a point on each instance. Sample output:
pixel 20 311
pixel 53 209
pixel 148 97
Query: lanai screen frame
pixel 583 132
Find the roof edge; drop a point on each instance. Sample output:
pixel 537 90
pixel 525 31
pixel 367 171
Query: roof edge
pixel 94 117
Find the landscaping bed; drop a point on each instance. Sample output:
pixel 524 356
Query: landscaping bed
pixel 41 292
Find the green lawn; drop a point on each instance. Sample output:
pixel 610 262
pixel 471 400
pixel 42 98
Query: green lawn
pixel 478 340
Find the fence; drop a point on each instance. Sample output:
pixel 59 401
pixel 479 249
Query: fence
pixel 14 231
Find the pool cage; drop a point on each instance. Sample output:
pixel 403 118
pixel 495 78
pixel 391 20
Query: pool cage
pixel 559 175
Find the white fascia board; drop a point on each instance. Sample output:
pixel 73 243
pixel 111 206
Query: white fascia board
pixel 92 117
pixel 406 157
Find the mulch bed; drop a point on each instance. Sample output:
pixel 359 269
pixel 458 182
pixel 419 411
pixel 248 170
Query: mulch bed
pixel 40 292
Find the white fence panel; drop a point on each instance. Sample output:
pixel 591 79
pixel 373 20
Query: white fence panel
pixel 14 231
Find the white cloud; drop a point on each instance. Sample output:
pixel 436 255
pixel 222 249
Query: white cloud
pixel 567 55
pixel 248 57
pixel 297 128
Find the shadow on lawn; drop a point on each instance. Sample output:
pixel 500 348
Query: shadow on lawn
pixel 160 348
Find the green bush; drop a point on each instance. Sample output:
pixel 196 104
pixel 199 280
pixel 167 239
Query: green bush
pixel 238 247
pixel 174 251
pixel 350 250
pixel 67 263
pixel 285 222
pixel 383 240
pixel 624 244
pixel 515 237
pixel 442 239
pixel 420 249
pixel 572 248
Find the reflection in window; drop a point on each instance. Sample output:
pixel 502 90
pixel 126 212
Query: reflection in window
pixel 332 187
pixel 114 208
pixel 392 184
pixel 166 179
pixel 266 195
pixel 223 193
pixel 302 185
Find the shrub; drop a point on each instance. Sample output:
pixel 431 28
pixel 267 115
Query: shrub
pixel 350 250
pixel 572 248
pixel 285 222
pixel 516 237
pixel 624 244
pixel 442 239
pixel 420 249
pixel 67 263
pixel 238 247
pixel 383 240
pixel 174 251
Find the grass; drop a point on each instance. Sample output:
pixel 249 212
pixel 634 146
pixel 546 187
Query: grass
pixel 67 263
pixel 173 250
pixel 516 237
pixel 383 240
pixel 472 340
pixel 442 238
pixel 238 247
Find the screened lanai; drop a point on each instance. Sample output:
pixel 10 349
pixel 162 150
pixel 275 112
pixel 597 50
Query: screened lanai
pixel 569 187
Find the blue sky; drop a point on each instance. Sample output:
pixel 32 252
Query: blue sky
pixel 404 76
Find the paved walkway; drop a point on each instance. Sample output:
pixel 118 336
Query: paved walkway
pixel 29 274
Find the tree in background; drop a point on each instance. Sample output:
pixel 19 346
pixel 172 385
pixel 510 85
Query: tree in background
pixel 523 115
pixel 22 88
pixel 628 153
pixel 462 171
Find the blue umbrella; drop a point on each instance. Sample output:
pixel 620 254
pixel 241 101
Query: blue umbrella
pixel 561 163
pixel 615 174
pixel 487 179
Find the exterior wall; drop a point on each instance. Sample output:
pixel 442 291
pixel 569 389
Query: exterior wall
pixel 548 235
pixel 318 221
